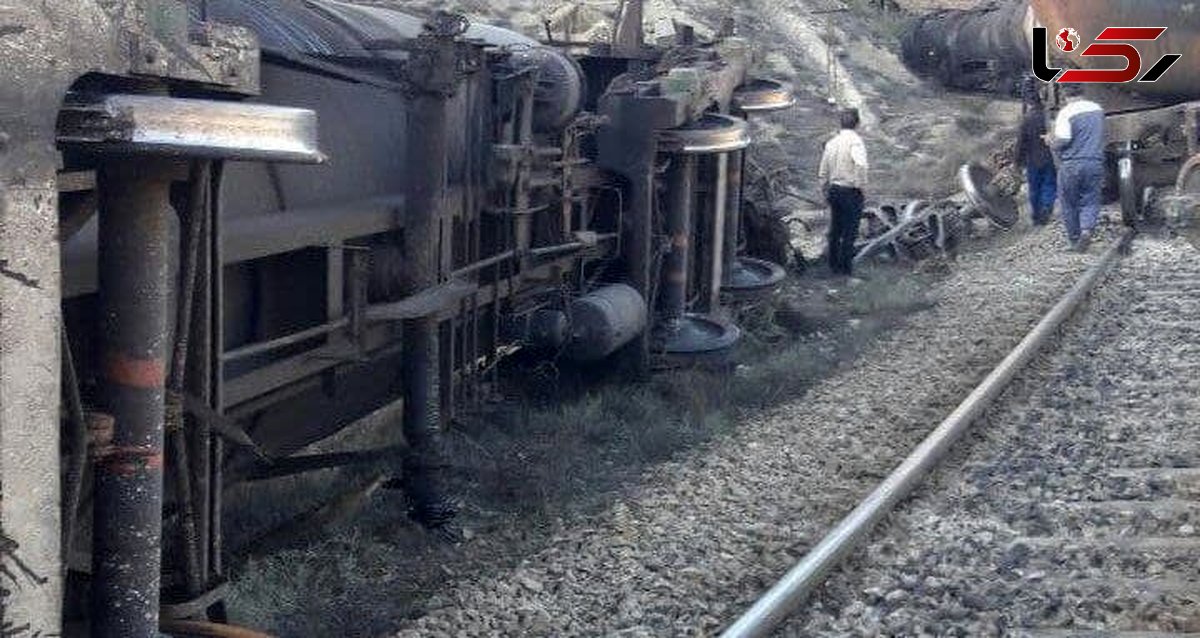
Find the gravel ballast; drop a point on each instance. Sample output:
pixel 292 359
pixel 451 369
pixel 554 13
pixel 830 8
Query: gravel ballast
pixel 1074 507
pixel 690 547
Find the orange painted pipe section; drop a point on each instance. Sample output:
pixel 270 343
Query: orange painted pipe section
pixel 1090 17
pixel 205 629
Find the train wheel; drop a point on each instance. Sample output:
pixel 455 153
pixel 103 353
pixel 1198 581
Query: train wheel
pixel 1187 194
pixel 1131 194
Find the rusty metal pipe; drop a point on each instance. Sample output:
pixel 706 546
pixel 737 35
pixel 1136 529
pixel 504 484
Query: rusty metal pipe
pixel 733 210
pixel 428 130
pixel 681 181
pixel 428 139
pixel 523 215
pixel 315 462
pixel 470 269
pixel 134 287
pixel 638 253
pixel 77 461
pixel 193 222
pixel 263 347
pixel 199 381
pixel 216 386
pixel 714 250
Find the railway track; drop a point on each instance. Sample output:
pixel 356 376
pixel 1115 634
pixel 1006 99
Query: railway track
pixel 1072 510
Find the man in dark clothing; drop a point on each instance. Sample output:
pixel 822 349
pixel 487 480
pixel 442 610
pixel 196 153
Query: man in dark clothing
pixel 1034 155
pixel 1079 140
pixel 843 175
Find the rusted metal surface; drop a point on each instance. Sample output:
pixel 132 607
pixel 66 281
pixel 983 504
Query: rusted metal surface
pixel 134 285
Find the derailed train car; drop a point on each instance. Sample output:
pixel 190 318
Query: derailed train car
pixel 1154 146
pixel 232 228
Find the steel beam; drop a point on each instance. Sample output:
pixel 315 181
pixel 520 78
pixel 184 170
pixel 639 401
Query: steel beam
pixel 192 128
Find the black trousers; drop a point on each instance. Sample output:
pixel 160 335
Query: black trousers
pixel 847 208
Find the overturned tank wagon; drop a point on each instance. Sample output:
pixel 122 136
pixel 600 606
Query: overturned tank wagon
pixel 1152 126
pixel 233 228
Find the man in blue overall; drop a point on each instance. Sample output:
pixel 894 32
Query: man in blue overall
pixel 1079 141
pixel 1032 153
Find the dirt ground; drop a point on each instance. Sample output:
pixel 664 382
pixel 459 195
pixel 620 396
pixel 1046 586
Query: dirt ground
pixel 528 469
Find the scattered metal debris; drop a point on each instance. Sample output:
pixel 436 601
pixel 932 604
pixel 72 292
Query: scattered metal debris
pixel 921 229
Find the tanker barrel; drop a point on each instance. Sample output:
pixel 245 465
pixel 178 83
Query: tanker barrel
pixel 332 29
pixel 1090 17
pixel 980 50
pixel 989 49
pixel 559 91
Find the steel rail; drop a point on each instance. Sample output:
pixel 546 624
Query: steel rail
pixel 785 597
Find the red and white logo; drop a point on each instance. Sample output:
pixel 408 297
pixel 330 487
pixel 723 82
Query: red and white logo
pixel 1113 42
pixel 1067 40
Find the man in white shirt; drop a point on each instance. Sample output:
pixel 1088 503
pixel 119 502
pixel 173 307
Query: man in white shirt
pixel 843 176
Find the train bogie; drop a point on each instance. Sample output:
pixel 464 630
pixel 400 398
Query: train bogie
pixel 276 218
